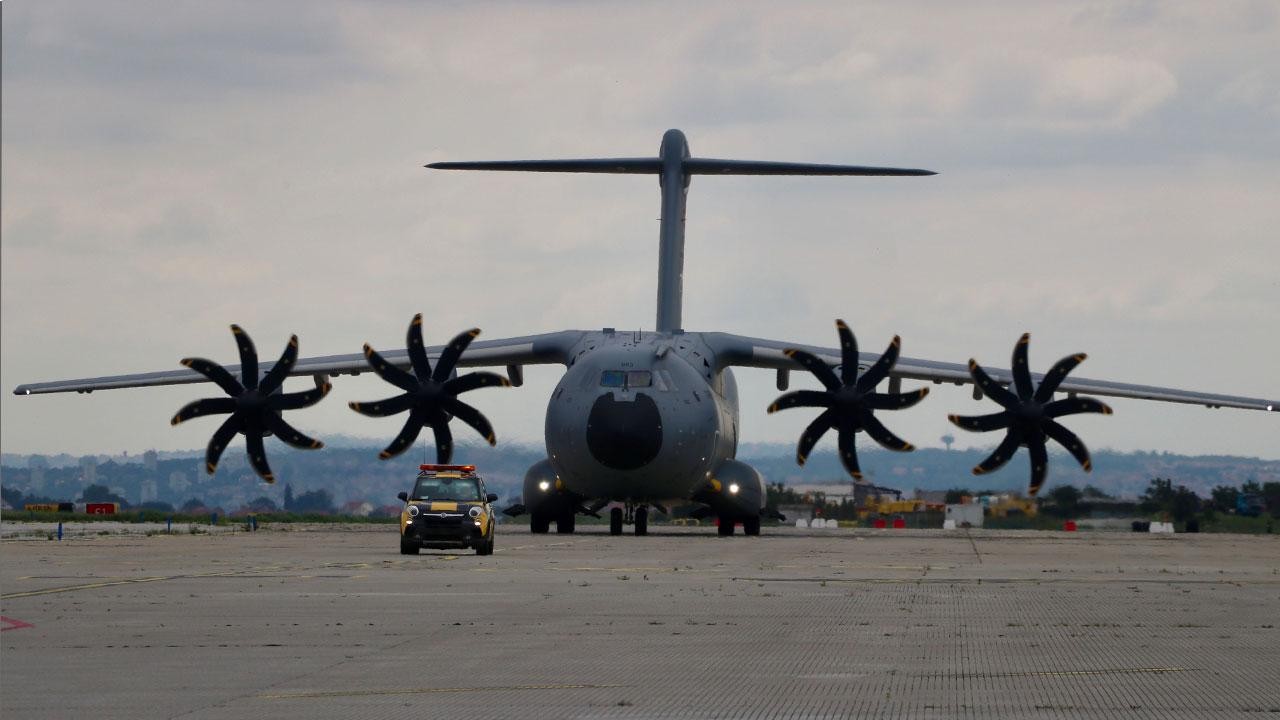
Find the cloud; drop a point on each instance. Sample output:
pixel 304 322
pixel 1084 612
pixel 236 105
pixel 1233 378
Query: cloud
pixel 1105 90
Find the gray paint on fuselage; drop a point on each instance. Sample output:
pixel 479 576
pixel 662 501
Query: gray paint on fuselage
pixel 697 406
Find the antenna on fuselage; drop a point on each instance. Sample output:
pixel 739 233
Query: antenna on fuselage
pixel 674 168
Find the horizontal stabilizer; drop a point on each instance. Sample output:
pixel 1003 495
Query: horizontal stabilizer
pixel 691 166
pixel 712 166
pixel 622 166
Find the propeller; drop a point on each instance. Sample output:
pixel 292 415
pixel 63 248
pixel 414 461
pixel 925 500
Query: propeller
pixel 1029 415
pixel 430 396
pixel 849 401
pixel 255 405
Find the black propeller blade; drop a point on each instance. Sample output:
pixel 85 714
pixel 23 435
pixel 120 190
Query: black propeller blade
pixel 849 400
pixel 255 407
pixel 1028 416
pixel 430 396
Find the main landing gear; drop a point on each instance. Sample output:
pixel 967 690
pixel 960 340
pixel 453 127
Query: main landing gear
pixel 632 515
pixel 750 526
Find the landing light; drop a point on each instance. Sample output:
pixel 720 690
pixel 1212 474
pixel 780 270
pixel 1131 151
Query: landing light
pixel 733 488
pixel 544 486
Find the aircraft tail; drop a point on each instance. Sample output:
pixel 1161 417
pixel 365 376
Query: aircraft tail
pixel 674 168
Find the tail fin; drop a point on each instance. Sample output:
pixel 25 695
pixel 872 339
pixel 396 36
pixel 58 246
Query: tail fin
pixel 674 168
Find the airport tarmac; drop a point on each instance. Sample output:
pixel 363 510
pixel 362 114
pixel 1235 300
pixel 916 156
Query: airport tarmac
pixel 334 622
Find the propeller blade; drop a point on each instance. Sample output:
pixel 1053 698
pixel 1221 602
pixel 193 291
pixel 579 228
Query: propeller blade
pixel 257 454
pixel 200 408
pixel 248 358
pixel 289 434
pixel 1056 375
pixel 1003 452
pixel 299 400
pixel 221 438
pixel 1021 371
pixel 278 372
pixel 449 358
pixel 801 398
pixel 813 433
pixel 991 388
pixel 389 372
pixel 417 351
pixel 444 441
pixel 216 373
pixel 982 423
pixel 383 408
pixel 1070 441
pixel 475 381
pixel 849 450
pixel 848 354
pixel 881 434
pixel 896 401
pixel 408 433
pixel 880 370
pixel 816 366
pixel 1039 463
pixel 1073 406
pixel 470 416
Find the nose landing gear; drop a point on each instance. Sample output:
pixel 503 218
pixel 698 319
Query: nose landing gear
pixel 637 515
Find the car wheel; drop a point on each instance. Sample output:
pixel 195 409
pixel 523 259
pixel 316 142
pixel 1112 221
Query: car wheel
pixel 409 547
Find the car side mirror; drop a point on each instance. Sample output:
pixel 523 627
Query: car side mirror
pixel 404 496
pixel 491 497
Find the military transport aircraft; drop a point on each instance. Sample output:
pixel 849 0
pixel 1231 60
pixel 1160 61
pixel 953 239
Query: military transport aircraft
pixel 644 418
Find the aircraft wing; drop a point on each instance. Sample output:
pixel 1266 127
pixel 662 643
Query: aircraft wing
pixel 547 348
pixel 737 350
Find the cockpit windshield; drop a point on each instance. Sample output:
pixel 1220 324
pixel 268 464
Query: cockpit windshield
pixel 626 378
pixel 448 489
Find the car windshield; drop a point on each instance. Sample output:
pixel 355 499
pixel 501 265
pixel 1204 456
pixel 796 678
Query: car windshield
pixel 448 489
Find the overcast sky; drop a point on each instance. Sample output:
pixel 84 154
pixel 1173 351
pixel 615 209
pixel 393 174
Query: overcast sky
pixel 1108 181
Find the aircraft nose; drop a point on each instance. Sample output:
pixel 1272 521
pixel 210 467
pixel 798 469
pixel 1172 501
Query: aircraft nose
pixel 624 435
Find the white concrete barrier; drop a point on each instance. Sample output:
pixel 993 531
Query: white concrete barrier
pixel 948 524
pixel 1162 527
pixel 802 523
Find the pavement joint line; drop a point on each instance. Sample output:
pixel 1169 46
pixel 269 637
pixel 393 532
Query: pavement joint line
pixel 973 545
pixel 1071 673
pixel 430 691
pixel 251 572
pixel 1008 581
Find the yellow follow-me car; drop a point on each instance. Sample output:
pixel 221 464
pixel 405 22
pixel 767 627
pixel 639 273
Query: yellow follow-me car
pixel 448 508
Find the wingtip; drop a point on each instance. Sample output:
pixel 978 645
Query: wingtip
pixel 384 455
pixel 772 409
pixel 924 392
pixel 979 471
pixel 1026 338
pixel 800 459
pixel 789 352
pixel 840 324
pixel 209 467
pixel 1087 465
pixel 417 319
pixel 856 475
pixel 908 447
pixel 1106 410
pixel 1081 357
pixel 316 445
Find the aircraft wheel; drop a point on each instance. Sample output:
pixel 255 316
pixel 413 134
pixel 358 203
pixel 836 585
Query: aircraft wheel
pixel 751 526
pixel 615 521
pixel 726 527
pixel 539 524
pixel 564 523
pixel 642 521
pixel 409 547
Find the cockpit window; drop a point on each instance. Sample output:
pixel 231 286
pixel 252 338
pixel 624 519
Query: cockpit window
pixel 626 378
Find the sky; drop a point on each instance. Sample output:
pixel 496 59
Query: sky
pixel 1107 181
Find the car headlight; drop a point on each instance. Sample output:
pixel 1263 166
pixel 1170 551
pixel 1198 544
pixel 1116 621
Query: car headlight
pixel 544 486
pixel 413 511
pixel 733 488
pixel 474 512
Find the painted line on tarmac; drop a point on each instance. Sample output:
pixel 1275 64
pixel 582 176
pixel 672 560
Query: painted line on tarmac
pixel 9 623
pixel 427 691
